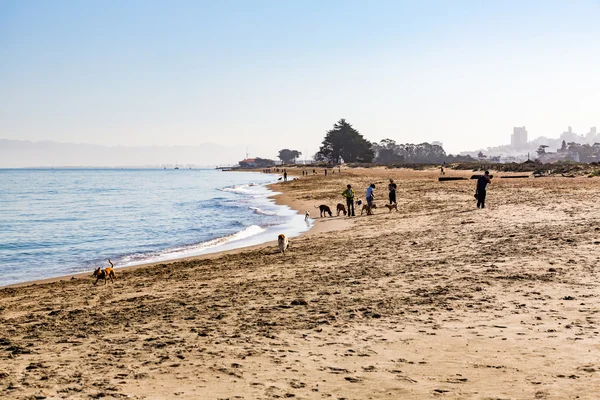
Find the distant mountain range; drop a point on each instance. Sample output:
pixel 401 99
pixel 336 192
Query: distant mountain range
pixel 23 153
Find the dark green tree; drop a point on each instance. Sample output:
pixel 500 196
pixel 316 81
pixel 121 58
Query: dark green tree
pixel 288 156
pixel 343 142
pixel 563 148
pixel 541 150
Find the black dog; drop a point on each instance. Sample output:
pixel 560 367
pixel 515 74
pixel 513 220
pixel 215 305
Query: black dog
pixel 323 209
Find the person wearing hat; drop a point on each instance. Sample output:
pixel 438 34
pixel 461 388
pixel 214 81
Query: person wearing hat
pixel 349 195
pixel 392 188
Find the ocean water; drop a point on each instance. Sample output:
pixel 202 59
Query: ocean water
pixel 56 222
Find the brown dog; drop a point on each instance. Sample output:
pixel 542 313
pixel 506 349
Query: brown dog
pixel 392 207
pixel 341 208
pixel 367 208
pixel 323 209
pixel 105 273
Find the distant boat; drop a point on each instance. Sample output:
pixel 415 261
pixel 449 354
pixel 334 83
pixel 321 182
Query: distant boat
pixel 176 167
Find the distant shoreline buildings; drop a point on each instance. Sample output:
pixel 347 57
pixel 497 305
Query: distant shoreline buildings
pixel 569 146
pixel 519 136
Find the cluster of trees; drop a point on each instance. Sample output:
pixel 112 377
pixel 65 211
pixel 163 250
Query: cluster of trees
pixel 587 152
pixel 584 152
pixel 388 152
pixel 344 143
pixel 288 156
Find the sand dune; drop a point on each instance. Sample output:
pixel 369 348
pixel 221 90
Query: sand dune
pixel 438 300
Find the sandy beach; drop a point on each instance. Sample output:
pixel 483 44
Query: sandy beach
pixel 438 300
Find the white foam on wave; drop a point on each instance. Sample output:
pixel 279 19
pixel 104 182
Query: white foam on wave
pixel 240 189
pixel 190 250
pixel 260 211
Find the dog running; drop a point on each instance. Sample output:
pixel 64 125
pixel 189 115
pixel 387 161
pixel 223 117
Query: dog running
pixel 323 209
pixel 105 273
pixel 282 243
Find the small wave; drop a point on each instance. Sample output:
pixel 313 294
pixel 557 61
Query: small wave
pixel 239 189
pixel 260 211
pixel 193 249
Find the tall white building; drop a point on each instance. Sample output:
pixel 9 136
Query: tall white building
pixel 592 136
pixel 519 136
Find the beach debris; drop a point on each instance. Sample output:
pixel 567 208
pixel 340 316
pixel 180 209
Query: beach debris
pixel 352 379
pixel 336 370
pixel 451 178
pixel 299 302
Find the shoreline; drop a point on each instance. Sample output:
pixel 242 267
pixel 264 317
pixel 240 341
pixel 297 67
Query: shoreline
pixel 279 197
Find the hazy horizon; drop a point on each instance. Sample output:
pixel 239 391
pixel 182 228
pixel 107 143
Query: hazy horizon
pixel 270 75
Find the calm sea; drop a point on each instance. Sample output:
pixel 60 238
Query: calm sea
pixel 56 222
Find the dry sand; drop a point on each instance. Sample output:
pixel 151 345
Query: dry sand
pixel 438 300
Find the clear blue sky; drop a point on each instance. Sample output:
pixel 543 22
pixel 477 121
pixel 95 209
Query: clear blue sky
pixel 273 74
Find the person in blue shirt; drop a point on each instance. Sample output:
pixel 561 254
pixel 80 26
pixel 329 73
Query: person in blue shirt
pixel 482 183
pixel 370 195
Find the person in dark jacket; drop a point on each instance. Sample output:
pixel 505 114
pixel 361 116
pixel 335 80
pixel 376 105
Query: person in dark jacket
pixel 482 183
pixel 392 188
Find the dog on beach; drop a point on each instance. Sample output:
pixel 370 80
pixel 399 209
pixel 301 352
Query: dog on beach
pixel 306 216
pixel 392 207
pixel 366 207
pixel 340 208
pixel 323 209
pixel 105 273
pixel 282 243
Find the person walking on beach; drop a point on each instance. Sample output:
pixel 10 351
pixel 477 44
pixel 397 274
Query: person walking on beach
pixel 349 195
pixel 284 175
pixel 370 196
pixel 392 188
pixel 325 171
pixel 482 183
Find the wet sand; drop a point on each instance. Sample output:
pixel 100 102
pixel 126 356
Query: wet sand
pixel 438 300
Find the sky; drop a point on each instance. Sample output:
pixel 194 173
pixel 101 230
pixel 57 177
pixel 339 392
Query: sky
pixel 266 75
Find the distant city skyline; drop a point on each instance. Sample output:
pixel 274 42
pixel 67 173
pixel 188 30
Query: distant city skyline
pixel 273 75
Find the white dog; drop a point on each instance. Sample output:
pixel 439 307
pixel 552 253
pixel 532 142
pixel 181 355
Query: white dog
pixel 283 243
